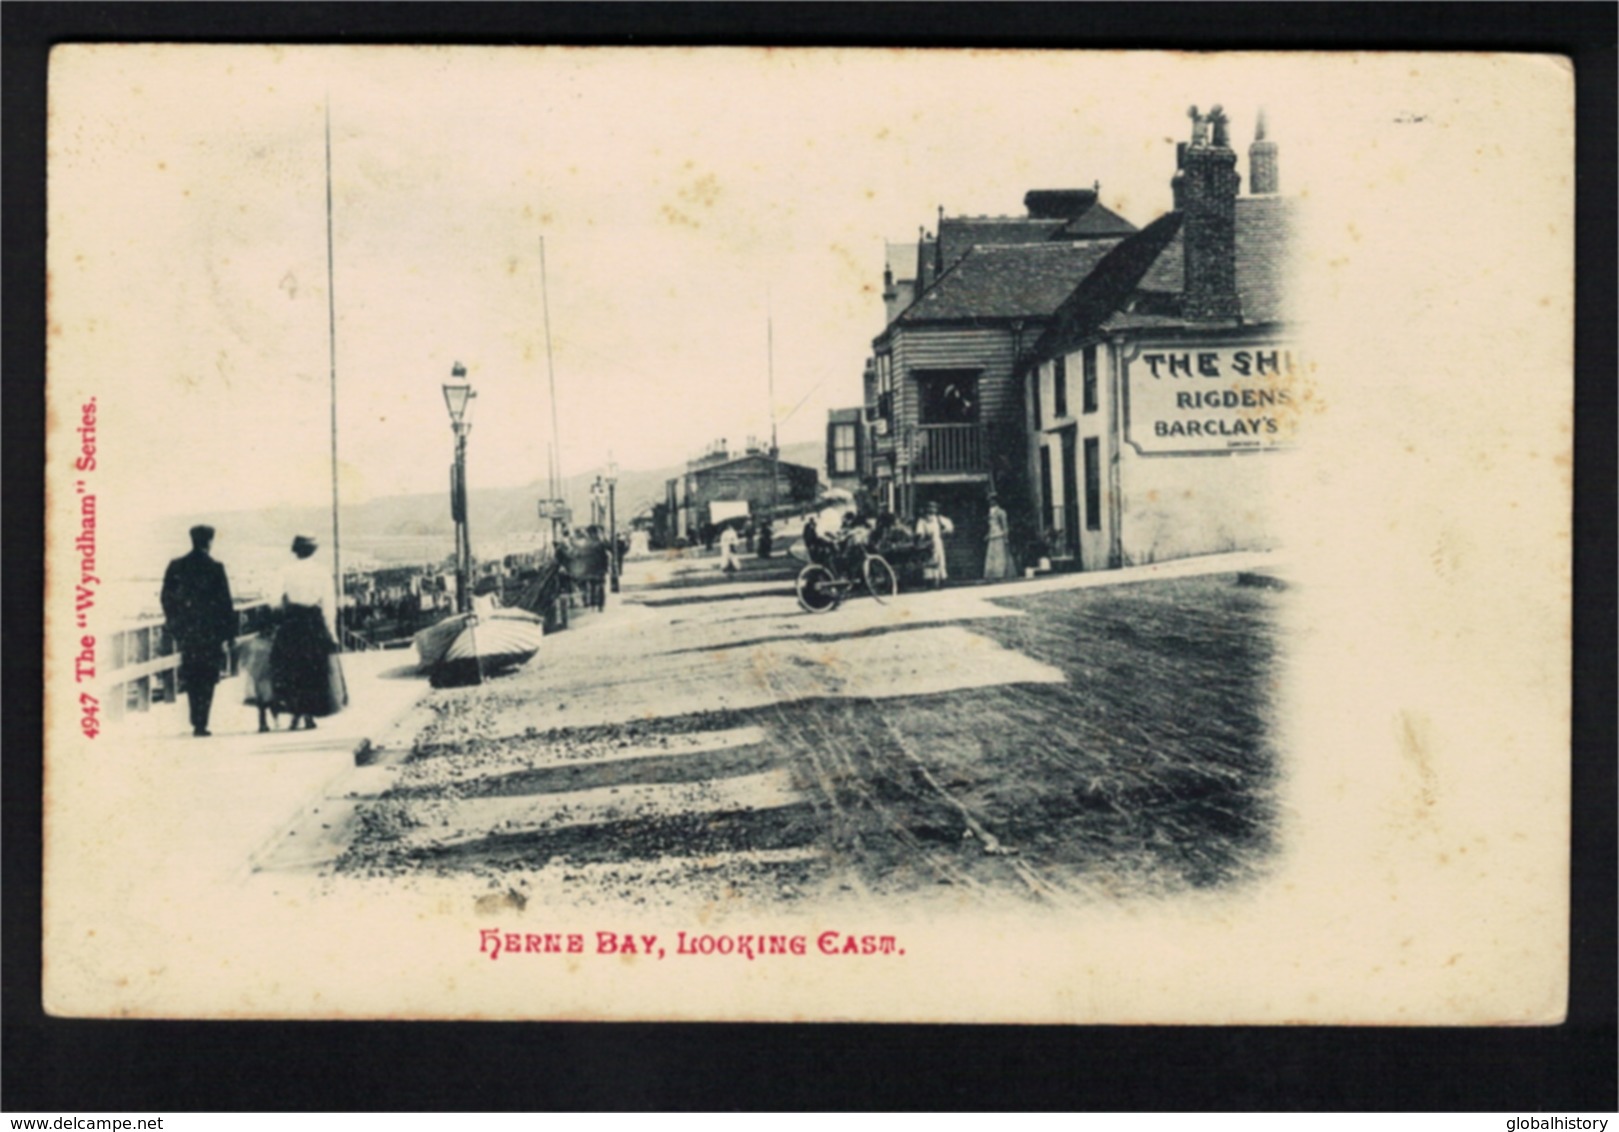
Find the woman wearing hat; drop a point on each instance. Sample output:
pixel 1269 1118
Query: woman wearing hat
pixel 305 641
pixel 931 529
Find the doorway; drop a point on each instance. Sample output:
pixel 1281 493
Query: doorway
pixel 1070 495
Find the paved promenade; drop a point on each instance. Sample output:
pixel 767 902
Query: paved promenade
pixel 229 801
pixel 221 798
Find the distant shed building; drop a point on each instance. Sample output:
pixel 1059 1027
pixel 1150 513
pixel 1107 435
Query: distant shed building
pixel 719 486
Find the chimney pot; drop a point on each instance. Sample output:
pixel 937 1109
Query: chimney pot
pixel 1264 178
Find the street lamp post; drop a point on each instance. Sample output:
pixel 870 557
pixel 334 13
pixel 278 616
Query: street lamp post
pixel 458 395
pixel 598 516
pixel 612 522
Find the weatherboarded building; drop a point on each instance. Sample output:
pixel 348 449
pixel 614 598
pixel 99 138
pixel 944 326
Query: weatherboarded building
pixel 1160 392
pixel 944 404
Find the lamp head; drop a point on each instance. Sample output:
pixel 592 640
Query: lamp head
pixel 458 395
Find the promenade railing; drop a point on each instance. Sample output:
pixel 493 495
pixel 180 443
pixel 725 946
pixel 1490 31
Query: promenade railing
pixel 144 666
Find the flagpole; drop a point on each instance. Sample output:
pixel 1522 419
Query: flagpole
pixel 331 341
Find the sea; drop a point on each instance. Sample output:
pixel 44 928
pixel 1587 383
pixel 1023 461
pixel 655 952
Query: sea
pixel 130 596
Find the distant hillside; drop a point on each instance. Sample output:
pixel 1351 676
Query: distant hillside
pixel 492 512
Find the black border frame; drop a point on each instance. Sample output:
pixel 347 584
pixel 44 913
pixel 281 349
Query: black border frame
pixel 58 1066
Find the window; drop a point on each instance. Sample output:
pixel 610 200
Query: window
pixel 1059 387
pixel 843 450
pixel 1034 388
pixel 1089 394
pixel 885 386
pixel 1093 485
pixel 948 398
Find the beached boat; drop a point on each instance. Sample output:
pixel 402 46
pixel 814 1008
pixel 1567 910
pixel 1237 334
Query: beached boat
pixel 435 640
pixel 470 647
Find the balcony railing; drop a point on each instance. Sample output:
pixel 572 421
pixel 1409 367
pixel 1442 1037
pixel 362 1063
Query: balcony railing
pixel 948 448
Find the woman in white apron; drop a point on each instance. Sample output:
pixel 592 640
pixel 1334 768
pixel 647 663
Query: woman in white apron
pixel 933 527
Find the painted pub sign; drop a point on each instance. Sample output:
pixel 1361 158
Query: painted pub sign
pixel 1188 399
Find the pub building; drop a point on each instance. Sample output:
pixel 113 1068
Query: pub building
pixel 1163 388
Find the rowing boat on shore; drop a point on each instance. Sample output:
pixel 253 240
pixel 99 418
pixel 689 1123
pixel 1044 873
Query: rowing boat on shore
pixel 467 648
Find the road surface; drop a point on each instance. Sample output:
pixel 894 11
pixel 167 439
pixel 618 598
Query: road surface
pixel 1027 742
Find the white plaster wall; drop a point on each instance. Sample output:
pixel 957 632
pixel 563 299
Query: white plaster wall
pixel 1181 506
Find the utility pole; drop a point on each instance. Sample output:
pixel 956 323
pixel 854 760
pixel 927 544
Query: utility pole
pixel 331 347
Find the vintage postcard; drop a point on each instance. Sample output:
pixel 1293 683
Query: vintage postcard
pixel 886 535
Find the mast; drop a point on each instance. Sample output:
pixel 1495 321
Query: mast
pixel 555 461
pixel 331 348
pixel 770 376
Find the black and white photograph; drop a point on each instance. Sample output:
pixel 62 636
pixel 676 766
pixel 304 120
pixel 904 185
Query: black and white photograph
pixel 826 534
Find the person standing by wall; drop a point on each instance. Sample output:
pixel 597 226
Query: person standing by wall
pixel 201 618
pixel 997 555
pixel 931 529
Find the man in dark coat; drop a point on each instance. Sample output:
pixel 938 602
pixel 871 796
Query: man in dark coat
pixel 201 618
pixel 597 564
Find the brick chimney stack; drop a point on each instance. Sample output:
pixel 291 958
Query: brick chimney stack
pixel 1263 178
pixel 1205 188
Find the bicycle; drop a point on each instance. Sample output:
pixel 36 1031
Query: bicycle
pixel 822 586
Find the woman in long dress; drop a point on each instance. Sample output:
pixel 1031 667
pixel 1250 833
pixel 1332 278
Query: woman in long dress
pixel 305 640
pixel 997 557
pixel 933 527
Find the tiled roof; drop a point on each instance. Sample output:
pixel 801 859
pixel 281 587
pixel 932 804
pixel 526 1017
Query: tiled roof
pixel 960 234
pixel 1098 220
pixel 1018 281
pixel 1139 283
pixel 1107 289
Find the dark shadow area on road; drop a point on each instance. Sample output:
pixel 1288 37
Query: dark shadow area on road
pixel 813 638
pixel 704 599
pixel 585 774
pixel 603 735
pixel 631 843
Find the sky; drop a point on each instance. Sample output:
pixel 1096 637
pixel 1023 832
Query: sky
pixel 712 221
